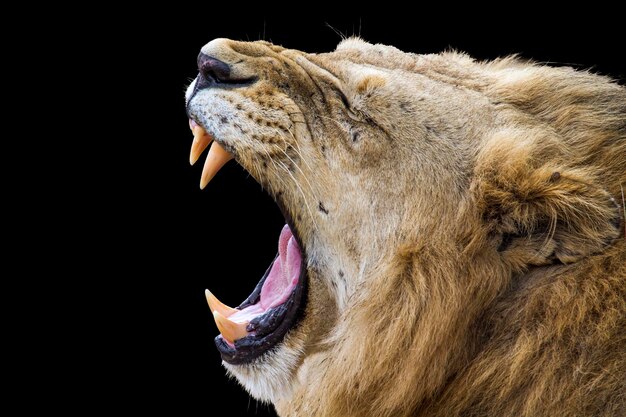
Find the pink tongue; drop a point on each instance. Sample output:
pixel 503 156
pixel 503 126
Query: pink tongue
pixel 285 271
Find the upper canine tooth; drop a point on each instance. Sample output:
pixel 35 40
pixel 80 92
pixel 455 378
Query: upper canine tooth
pixel 198 130
pixel 201 139
pixel 215 160
pixel 230 330
pixel 217 305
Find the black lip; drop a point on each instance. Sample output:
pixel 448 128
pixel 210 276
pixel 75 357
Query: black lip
pixel 270 328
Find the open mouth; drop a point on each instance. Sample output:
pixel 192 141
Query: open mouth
pixel 273 308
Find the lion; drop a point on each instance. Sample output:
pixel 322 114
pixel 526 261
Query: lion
pixel 454 241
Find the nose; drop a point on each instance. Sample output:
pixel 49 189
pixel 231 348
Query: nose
pixel 221 66
pixel 217 73
pixel 212 70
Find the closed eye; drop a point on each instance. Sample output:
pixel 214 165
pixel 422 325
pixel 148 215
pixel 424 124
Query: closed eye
pixel 344 100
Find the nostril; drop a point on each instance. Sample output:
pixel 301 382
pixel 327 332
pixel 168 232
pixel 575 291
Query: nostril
pixel 215 73
pixel 213 69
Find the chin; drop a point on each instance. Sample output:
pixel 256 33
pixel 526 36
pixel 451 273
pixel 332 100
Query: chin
pixel 270 377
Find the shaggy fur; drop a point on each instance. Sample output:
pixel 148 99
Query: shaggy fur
pixel 463 224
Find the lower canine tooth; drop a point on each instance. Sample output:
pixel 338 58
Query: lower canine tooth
pixel 230 330
pixel 217 305
pixel 215 160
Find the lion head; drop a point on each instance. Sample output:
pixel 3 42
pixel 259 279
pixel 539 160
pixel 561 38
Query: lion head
pixel 454 238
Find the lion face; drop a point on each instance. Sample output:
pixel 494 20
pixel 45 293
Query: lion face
pixel 383 166
pixel 322 134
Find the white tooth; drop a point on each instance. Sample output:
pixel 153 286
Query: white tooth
pixel 198 130
pixel 215 160
pixel 201 139
pixel 230 330
pixel 217 305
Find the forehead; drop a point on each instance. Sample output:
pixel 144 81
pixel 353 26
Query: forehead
pixel 352 50
pixel 233 49
pixel 357 51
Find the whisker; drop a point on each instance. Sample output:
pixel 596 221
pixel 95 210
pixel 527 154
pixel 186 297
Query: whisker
pixel 302 172
pixel 297 149
pixel 275 166
pixel 306 203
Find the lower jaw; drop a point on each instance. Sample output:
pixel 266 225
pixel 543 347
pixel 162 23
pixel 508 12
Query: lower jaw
pixel 268 331
pixel 252 347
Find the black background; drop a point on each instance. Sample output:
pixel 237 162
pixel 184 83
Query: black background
pixel 171 240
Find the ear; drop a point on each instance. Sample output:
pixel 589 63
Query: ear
pixel 542 213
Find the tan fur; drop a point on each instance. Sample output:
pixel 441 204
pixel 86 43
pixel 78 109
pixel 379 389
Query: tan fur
pixel 462 222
